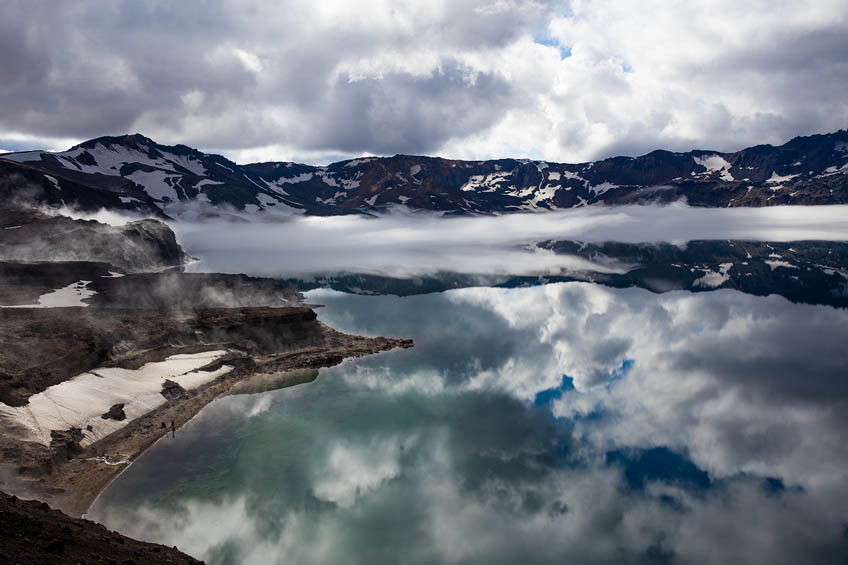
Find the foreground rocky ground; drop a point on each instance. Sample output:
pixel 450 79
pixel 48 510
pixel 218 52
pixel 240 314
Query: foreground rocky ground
pixel 31 532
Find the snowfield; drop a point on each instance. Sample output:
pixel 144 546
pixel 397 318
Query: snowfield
pixel 81 401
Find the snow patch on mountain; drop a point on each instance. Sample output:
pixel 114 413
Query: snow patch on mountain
pixel 715 164
pixel 65 297
pixel 777 179
pixel 53 180
pixel 544 195
pixel 775 263
pixel 713 279
pixel 489 183
pixel 357 162
pixel 302 177
pixel 158 184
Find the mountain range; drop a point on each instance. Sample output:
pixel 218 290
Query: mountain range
pixel 134 174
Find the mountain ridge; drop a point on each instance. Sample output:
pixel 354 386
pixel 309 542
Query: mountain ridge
pixel 136 174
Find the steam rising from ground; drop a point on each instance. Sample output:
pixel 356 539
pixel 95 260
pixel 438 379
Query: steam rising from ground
pixel 408 245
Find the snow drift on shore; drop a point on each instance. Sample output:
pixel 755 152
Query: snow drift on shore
pixel 81 401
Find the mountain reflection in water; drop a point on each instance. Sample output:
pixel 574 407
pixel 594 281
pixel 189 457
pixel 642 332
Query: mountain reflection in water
pixel 565 422
pixel 811 272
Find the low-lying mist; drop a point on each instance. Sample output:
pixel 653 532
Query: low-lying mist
pixel 416 244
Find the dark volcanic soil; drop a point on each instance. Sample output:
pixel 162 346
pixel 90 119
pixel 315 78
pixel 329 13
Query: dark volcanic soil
pixel 30 532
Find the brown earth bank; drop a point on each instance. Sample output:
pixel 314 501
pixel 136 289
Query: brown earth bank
pixel 43 347
pixel 33 533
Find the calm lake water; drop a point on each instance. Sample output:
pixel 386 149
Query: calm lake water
pixel 568 422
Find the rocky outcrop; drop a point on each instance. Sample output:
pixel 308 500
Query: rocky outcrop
pixel 173 391
pixel 23 283
pixel 43 347
pixel 32 532
pixel 142 246
pixel 116 412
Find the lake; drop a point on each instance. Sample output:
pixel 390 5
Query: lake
pixel 561 422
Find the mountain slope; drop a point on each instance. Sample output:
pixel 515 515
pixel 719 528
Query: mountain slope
pixel 132 172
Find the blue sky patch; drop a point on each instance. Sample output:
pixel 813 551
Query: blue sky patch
pixel 621 372
pixel 564 50
pixel 657 464
pixel 547 396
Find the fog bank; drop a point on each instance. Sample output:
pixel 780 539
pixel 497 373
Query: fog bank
pixel 406 245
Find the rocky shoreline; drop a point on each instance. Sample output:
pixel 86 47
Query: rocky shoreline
pixel 99 360
pixel 69 477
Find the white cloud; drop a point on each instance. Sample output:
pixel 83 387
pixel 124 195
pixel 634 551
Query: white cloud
pixel 250 60
pixel 352 471
pixel 711 372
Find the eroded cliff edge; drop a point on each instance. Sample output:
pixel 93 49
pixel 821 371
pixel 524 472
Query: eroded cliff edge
pixel 99 360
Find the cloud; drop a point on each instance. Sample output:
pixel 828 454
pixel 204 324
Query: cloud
pixel 742 384
pixel 564 81
pixel 353 471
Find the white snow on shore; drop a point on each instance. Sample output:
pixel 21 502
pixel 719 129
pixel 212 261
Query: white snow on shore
pixel 81 401
pixel 66 297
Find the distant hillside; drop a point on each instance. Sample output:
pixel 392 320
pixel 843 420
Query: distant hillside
pixel 134 173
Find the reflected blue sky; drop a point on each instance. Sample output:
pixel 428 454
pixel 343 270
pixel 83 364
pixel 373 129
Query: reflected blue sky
pixel 566 422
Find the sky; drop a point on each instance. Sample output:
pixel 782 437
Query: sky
pixel 315 82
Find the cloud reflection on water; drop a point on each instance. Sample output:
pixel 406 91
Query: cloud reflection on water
pixel 730 416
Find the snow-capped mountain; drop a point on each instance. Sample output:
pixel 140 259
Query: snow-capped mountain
pixel 133 172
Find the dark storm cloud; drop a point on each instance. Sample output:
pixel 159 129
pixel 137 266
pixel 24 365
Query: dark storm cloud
pixel 97 67
pixel 463 79
pixel 400 113
pixel 81 70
